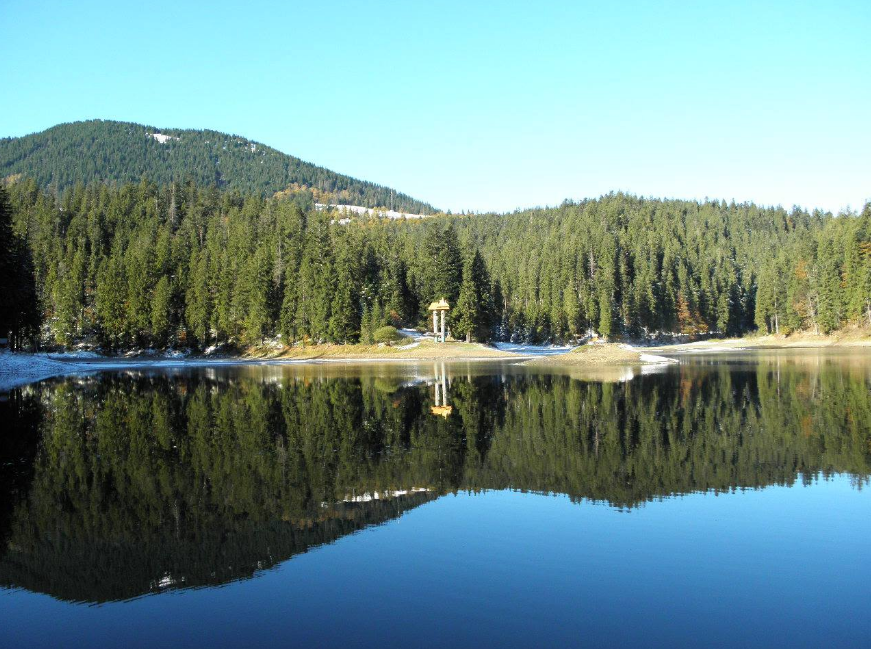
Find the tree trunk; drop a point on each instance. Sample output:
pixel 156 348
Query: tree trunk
pixel 776 318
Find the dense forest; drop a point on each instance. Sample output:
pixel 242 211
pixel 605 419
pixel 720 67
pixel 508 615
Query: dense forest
pixel 122 152
pixel 145 265
pixel 130 483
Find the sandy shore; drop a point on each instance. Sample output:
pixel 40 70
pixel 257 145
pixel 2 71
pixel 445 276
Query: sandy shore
pixel 595 355
pixel 854 338
pixel 414 350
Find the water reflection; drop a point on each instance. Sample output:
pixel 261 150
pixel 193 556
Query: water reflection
pixel 122 484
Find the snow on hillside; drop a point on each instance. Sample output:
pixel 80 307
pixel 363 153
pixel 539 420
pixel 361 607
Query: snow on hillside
pixel 163 139
pixel 357 209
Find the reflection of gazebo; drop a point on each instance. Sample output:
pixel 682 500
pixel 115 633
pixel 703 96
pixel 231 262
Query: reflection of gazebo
pixel 442 307
pixel 441 407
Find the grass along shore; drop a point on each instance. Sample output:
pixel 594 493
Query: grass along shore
pixel 420 349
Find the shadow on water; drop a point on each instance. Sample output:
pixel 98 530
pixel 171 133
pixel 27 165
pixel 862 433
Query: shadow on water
pixel 128 483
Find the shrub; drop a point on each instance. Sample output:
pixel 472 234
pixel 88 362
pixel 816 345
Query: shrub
pixel 386 334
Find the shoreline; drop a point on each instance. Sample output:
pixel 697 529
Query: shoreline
pixel 18 369
pixel 846 340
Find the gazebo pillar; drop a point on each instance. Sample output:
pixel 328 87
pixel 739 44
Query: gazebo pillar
pixel 435 323
pixel 443 326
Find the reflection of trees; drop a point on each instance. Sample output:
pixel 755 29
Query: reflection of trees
pixel 678 433
pixel 21 416
pixel 138 483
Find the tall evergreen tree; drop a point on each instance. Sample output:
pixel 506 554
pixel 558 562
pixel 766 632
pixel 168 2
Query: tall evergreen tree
pixel 443 264
pixel 161 311
pixel 344 317
pixel 473 316
pixel 19 306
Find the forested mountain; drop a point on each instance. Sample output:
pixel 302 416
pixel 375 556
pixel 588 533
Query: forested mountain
pixel 107 151
pixel 181 265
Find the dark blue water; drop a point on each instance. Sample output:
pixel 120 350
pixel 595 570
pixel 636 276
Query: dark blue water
pixel 716 503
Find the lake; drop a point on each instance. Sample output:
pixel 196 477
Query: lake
pixel 723 501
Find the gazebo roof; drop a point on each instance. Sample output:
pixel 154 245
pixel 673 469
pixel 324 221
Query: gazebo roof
pixel 442 411
pixel 441 305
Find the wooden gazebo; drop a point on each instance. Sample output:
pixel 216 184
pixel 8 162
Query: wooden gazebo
pixel 442 307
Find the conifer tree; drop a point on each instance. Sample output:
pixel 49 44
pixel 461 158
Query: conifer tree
pixel 112 302
pixel 366 328
pixel 198 311
pixel 19 301
pixel 161 311
pixel 8 267
pixel 344 318
pixel 443 264
pixel 473 315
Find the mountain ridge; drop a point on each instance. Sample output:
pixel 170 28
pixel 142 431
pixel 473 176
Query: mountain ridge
pixel 115 151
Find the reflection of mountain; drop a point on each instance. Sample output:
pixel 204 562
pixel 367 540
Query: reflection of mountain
pixel 107 568
pixel 130 484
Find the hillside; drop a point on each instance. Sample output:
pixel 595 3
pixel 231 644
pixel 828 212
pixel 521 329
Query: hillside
pixel 106 151
pixel 139 265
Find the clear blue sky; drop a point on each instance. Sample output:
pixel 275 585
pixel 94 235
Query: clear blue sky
pixel 479 105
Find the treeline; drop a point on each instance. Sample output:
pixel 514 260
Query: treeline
pixel 20 315
pixel 821 282
pixel 122 152
pixel 638 267
pixel 181 265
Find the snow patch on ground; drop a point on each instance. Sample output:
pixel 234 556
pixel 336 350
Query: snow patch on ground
pixel 357 209
pixel 409 346
pixel 76 354
pixel 710 350
pixel 17 369
pixel 653 358
pixel 534 350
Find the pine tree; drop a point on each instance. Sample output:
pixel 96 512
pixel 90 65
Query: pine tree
pixel 19 302
pixel 8 267
pixel 344 318
pixel 606 322
pixel 69 298
pixel 828 286
pixel 255 288
pixel 161 311
pixel 366 328
pixel 198 301
pixel 112 303
pixel 473 315
pixel 443 265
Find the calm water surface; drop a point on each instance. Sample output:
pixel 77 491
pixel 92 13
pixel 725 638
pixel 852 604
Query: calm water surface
pixel 721 502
